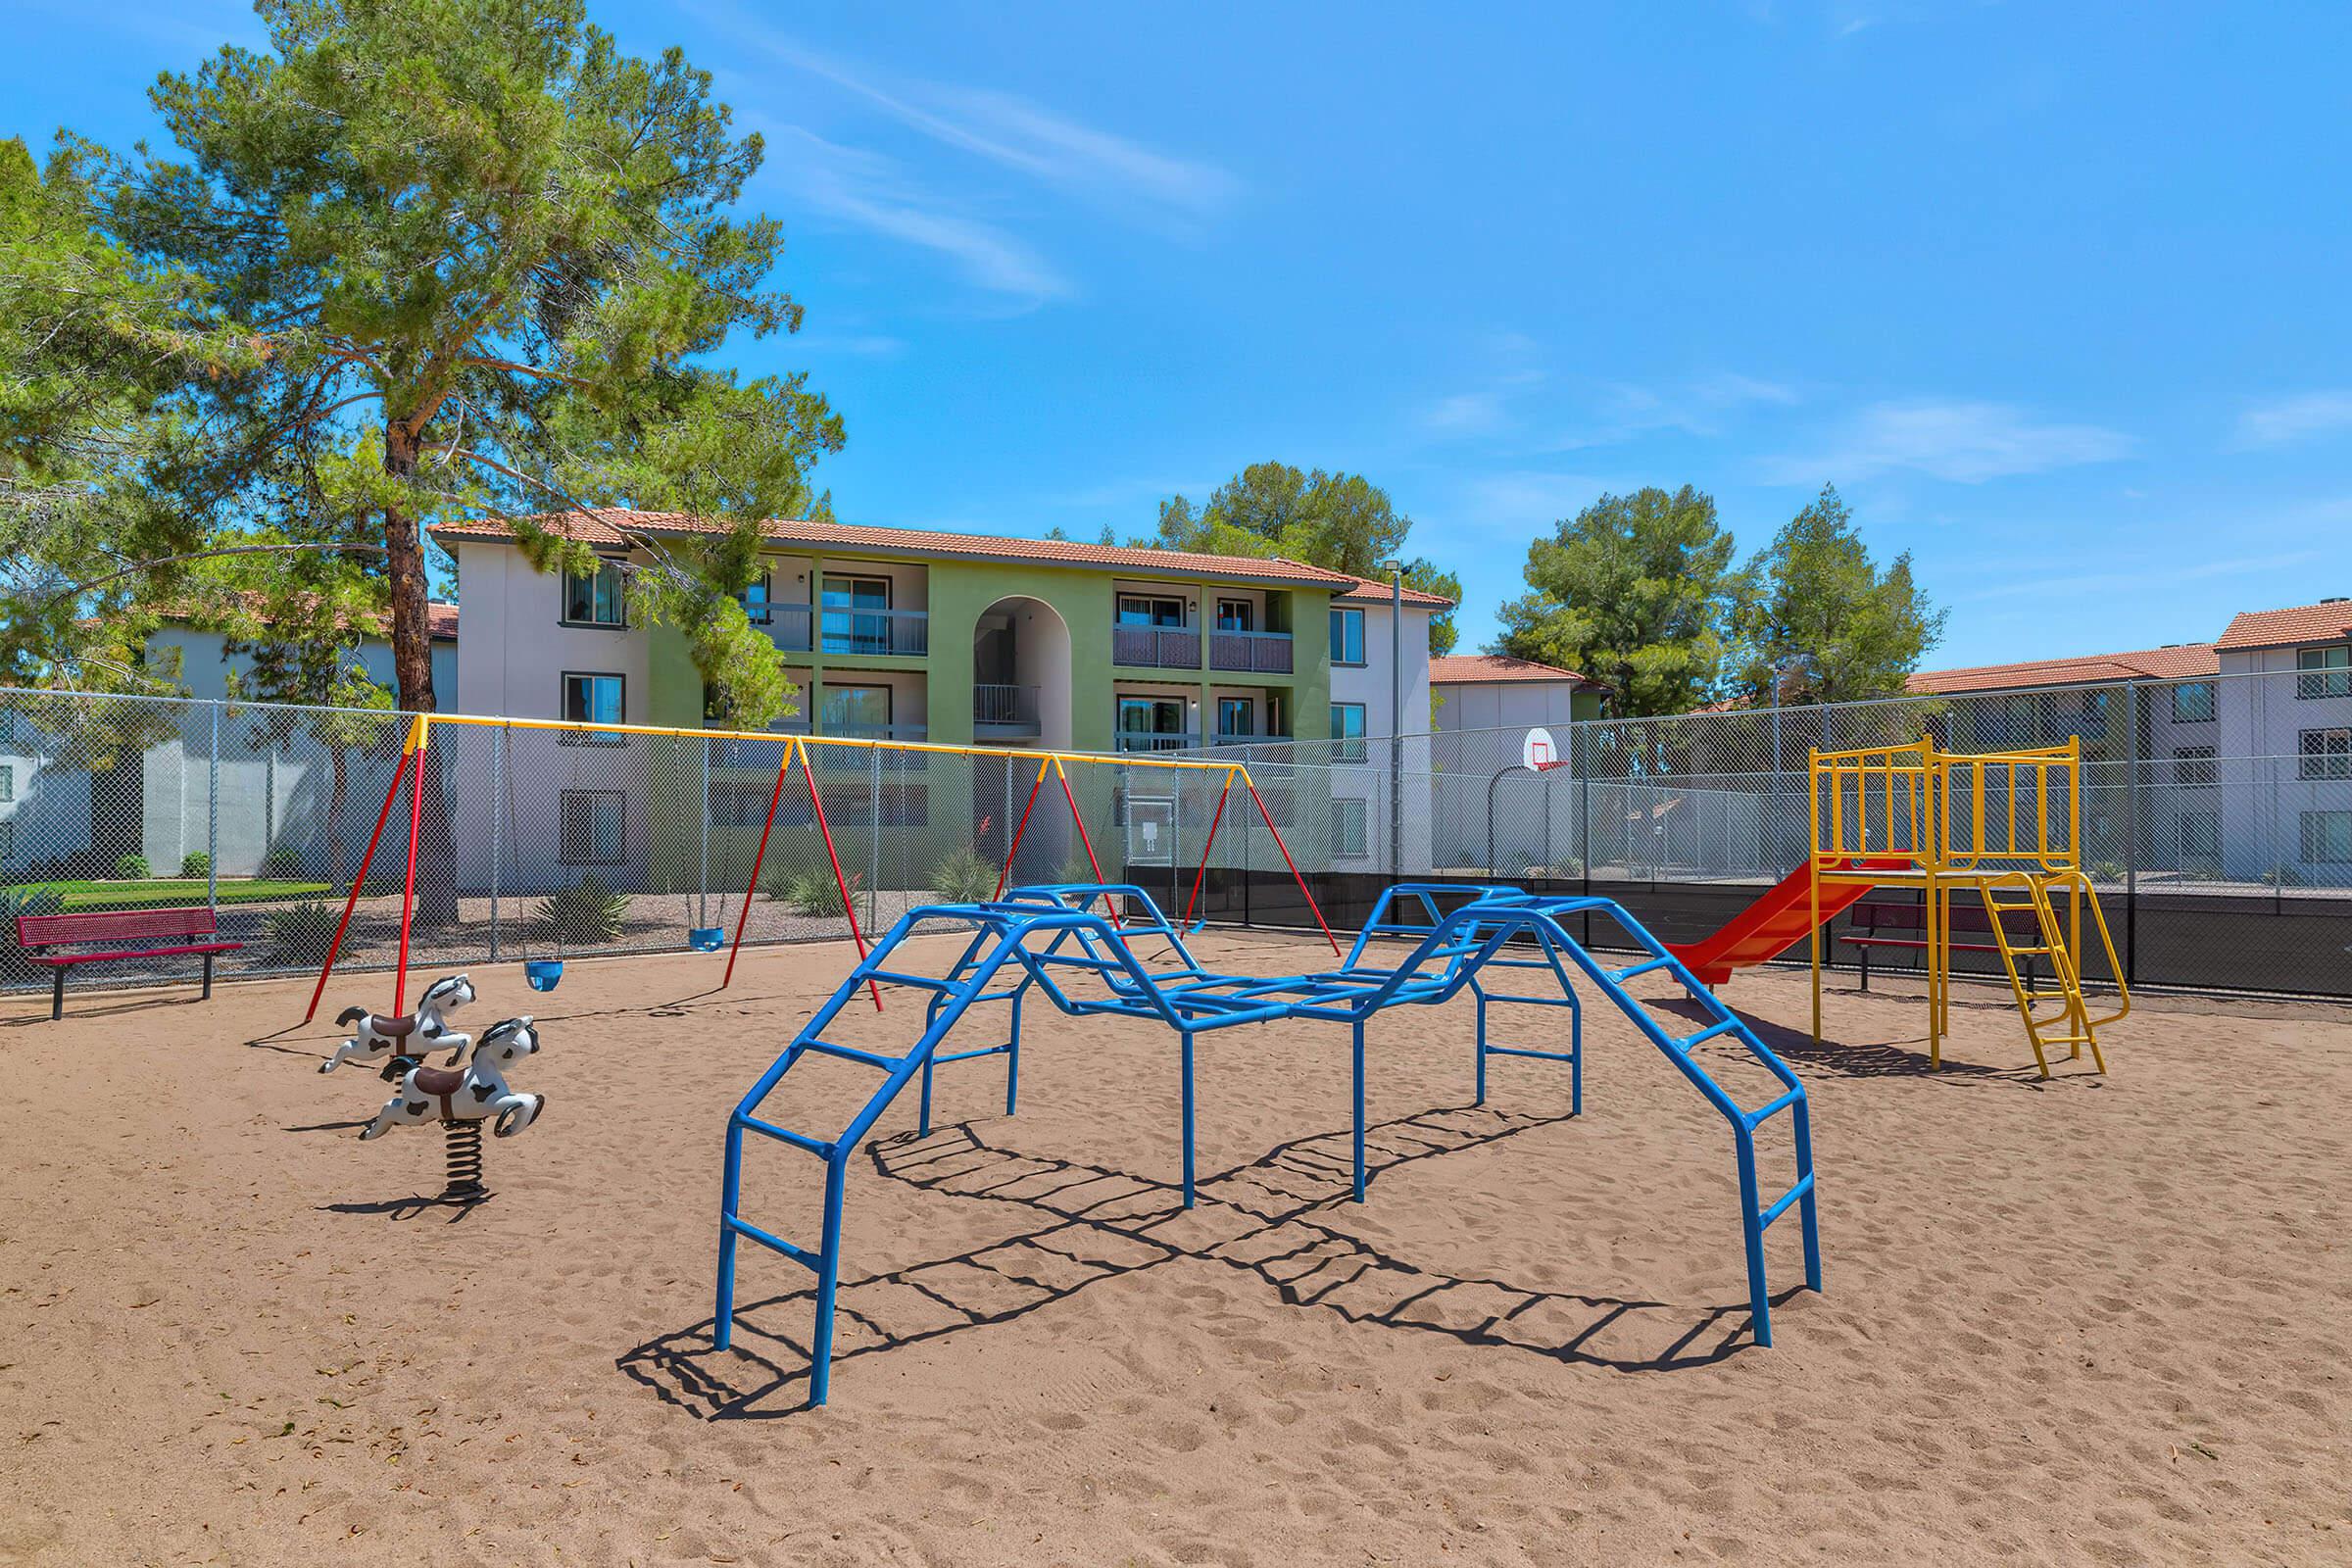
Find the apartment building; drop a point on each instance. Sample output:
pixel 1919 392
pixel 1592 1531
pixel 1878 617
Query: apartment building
pixel 2243 745
pixel 910 635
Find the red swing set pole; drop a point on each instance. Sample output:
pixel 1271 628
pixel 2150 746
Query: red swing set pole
pixel 744 914
pixel 1006 875
pixel 1092 863
pixel 848 906
pixel 359 878
pixel 407 887
pixel 1201 875
pixel 1287 860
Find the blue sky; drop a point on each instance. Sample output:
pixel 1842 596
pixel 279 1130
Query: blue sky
pixel 2057 296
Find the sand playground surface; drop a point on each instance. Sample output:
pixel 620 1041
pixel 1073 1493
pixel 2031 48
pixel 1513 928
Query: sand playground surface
pixel 2097 1320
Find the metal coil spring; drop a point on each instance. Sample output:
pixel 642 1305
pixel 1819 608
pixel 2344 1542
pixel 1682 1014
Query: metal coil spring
pixel 463 1151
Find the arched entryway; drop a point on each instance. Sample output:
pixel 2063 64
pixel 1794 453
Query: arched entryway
pixel 1021 672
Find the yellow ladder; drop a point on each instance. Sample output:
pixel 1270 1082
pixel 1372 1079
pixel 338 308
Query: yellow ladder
pixel 2072 1025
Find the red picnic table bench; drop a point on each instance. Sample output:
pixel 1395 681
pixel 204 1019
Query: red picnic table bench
pixel 1871 921
pixel 189 931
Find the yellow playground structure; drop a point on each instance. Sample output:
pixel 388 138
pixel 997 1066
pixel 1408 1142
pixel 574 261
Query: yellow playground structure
pixel 2005 826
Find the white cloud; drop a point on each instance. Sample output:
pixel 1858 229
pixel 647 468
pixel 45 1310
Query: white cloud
pixel 2296 419
pixel 2109 582
pixel 1700 407
pixel 1015 133
pixel 1464 413
pixel 869 190
pixel 1966 443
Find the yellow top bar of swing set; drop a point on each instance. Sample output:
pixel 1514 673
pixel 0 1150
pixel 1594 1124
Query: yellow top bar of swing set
pixel 421 726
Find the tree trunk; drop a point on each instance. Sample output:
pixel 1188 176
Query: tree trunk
pixel 412 674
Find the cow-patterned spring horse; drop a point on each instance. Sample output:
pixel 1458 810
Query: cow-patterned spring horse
pixel 462 1098
pixel 398 1041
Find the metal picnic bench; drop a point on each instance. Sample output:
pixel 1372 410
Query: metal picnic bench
pixel 190 932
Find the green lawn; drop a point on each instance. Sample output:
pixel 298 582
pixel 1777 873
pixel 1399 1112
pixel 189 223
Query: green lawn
pixel 163 892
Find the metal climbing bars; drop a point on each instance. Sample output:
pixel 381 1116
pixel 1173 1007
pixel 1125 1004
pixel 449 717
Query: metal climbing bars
pixel 1062 942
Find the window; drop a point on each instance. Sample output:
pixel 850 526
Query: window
pixel 1151 724
pixel 1236 716
pixel 755 599
pixel 592 824
pixel 2327 837
pixel 8 781
pixel 856 611
pixel 740 802
pixel 2193 764
pixel 1150 609
pixel 2325 754
pixel 1348 732
pixel 8 841
pixel 594 599
pixel 2192 702
pixel 1346 636
pixel 2323 672
pixel 1236 614
pixel 858 710
pixel 591 699
pixel 1351 825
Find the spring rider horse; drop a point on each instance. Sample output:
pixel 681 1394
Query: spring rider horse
pixel 462 1098
pixel 404 1039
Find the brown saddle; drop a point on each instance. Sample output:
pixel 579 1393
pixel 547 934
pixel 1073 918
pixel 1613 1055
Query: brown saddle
pixel 392 1028
pixel 439 1083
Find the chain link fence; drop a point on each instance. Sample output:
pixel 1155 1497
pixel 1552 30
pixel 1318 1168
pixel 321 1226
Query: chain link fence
pixel 2217 822
pixel 2217 813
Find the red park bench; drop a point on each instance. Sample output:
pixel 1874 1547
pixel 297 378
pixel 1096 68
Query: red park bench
pixel 187 932
pixel 1904 926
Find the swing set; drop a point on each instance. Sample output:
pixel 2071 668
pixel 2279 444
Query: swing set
pixel 543 975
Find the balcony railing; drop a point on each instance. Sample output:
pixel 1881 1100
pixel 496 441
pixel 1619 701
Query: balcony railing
pixel 1156 647
pixel 1013 708
pixel 1263 653
pixel 1136 741
pixel 904 633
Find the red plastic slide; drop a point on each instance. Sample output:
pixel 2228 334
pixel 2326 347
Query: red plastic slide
pixel 1770 927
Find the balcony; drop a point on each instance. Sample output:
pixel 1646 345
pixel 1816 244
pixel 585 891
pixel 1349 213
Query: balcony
pixel 1257 653
pixel 1137 741
pixel 1004 712
pixel 1156 647
pixel 853 633
pixel 862 757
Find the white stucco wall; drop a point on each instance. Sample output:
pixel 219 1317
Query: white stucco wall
pixel 517 648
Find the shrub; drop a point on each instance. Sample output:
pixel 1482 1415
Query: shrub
pixel 1567 868
pixel 300 934
pixel 284 862
pixel 195 863
pixel 965 876
pixel 134 868
pixel 813 893
pixel 2107 870
pixel 585 914
pixel 22 901
pixel 2284 876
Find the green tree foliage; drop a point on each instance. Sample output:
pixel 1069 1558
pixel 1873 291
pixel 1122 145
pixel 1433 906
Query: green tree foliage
pixel 1819 622
pixel 1338 521
pixel 1635 591
pixel 94 342
pixel 483 260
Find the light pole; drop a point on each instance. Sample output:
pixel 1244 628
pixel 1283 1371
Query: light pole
pixel 1396 719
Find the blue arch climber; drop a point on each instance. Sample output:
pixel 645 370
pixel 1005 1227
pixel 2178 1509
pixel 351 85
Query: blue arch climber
pixel 1076 943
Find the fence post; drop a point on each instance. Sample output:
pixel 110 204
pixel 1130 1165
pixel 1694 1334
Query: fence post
pixel 702 898
pixel 212 821
pixel 2131 975
pixel 873 837
pixel 498 793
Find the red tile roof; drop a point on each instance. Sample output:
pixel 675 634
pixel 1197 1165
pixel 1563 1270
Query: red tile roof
pixel 2326 622
pixel 1480 669
pixel 606 525
pixel 2182 661
pixel 440 619
pixel 1367 591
